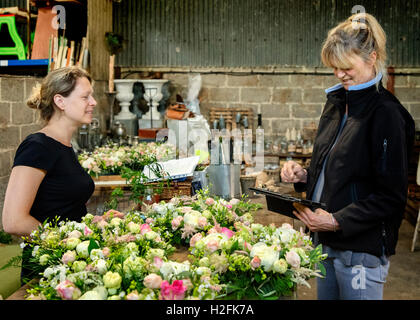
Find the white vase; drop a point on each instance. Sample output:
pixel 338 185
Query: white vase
pixel 124 96
pixel 153 91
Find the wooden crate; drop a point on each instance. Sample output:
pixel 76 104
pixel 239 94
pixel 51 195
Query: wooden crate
pixel 229 114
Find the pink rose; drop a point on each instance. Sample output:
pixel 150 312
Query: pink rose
pixel 174 291
pixel 195 238
pixel 87 231
pixel 67 290
pixel 157 262
pixel 227 232
pixel 293 259
pixel 134 295
pixel 69 256
pixel 209 201
pixel 255 262
pixel 187 283
pixel 213 245
pixel 287 225
pixel 144 228
pixel 152 281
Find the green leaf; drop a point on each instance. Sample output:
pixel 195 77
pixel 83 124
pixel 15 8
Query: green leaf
pixel 92 245
pixel 322 268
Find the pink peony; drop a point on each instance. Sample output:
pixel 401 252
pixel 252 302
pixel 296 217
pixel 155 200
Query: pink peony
pixel 195 238
pixel 144 228
pixel 209 201
pixel 152 281
pixel 150 220
pixel 229 233
pixel 174 291
pixel 255 262
pixel 67 290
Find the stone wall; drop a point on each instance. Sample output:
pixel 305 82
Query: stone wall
pixel 286 100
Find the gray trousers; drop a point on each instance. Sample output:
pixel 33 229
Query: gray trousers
pixel 347 282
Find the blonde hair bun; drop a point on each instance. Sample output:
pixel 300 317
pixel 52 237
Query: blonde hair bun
pixel 34 101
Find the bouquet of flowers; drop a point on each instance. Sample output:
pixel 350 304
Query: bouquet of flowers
pixel 111 159
pixel 127 256
pixel 256 261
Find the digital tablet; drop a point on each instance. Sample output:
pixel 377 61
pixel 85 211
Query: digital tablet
pixel 283 203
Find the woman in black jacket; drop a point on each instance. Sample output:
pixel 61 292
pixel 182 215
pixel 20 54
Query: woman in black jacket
pixel 358 166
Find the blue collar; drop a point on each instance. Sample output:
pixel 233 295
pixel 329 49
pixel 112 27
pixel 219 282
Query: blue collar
pixel 357 86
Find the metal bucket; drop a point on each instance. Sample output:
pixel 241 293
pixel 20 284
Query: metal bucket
pixel 246 183
pixel 224 180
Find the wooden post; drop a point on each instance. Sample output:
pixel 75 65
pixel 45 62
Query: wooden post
pixel 99 22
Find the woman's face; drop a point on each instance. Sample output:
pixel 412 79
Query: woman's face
pixel 361 72
pixel 79 105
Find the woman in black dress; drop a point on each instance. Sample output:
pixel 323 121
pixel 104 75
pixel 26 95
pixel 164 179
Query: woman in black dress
pixel 47 179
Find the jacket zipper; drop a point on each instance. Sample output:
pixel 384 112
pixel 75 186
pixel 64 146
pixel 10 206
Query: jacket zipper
pixel 328 149
pixel 385 145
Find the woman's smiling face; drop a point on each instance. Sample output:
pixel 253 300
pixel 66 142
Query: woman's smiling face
pixel 360 72
pixel 80 103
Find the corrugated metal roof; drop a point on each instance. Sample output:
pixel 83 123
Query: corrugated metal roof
pixel 252 33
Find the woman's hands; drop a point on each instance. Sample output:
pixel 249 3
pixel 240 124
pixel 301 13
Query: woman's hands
pixel 320 220
pixel 293 172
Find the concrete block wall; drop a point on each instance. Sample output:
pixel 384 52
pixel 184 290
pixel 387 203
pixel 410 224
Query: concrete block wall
pixel 286 100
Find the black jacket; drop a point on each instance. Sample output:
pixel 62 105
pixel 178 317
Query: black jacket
pixel 366 174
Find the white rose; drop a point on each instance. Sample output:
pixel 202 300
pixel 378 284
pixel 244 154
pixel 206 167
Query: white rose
pixel 100 266
pixel 82 249
pixel 256 227
pixel 72 243
pixel 133 227
pixel 115 222
pixel 293 259
pixel 192 217
pixel 96 254
pixel 151 235
pixel 91 295
pixel 267 255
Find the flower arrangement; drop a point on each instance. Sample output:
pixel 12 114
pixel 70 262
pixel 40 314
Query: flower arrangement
pixel 127 256
pixel 111 159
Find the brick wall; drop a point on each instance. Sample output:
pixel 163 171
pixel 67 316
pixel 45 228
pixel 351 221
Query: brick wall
pixel 18 121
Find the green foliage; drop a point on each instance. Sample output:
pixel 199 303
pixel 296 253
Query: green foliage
pixel 114 42
pixel 5 237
